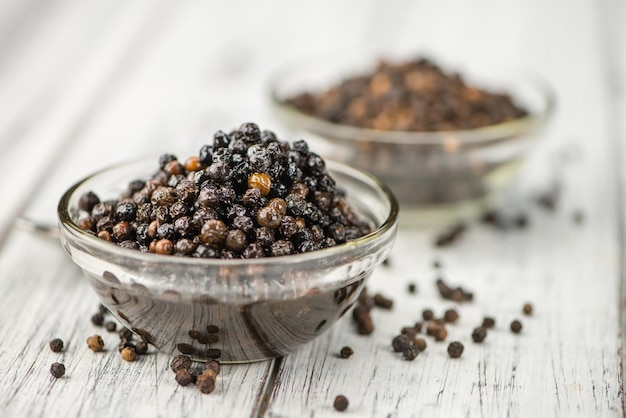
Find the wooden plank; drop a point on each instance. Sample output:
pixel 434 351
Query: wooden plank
pixel 69 107
pixel 44 296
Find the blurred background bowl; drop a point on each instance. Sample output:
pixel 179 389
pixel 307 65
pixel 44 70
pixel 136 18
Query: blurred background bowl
pixel 437 176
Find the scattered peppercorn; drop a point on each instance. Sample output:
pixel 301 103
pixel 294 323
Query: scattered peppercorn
pixel 180 362
pixel 457 294
pixel 57 370
pixel 427 314
pixel 141 348
pixel 213 365
pixel 420 343
pixel 95 343
pixel 56 345
pixel 183 377
pixel 451 315
pixel 450 235
pixel 412 288
pixel 129 354
pixel 97 319
pixel 346 352
pixel 455 349
pixel 516 326
pixel 400 342
pixel 110 326
pixel 206 381
pixel 527 309
pixel 488 322
pixel 479 334
pixel 341 403
pixel 125 334
pixel 410 352
pixel 382 302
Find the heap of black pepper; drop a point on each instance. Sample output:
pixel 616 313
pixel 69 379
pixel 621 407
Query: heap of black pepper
pixel 412 95
pixel 246 195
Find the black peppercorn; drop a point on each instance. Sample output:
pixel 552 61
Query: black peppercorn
pixel 516 326
pixel 56 345
pixel 489 322
pixel 341 403
pixel 455 349
pixel 57 370
pixel 346 352
pixel 479 334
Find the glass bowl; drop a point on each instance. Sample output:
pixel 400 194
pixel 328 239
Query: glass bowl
pixel 237 310
pixel 437 173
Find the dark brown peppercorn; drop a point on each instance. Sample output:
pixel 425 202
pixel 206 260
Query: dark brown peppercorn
pixel 214 233
pixel 141 348
pixel 427 314
pixel 488 322
pixel 125 334
pixel 213 365
pixel 183 377
pixel 212 329
pixel 180 362
pixel 214 353
pixel 527 309
pixel 400 342
pixel 56 345
pixel 97 319
pixel 382 302
pixel 164 246
pixel 410 352
pixel 269 217
pixel 185 348
pixel 57 370
pixel 341 403
pixel 346 352
pixel 440 334
pixel 110 326
pixel 87 201
pixel 420 343
pixel 451 315
pixel 412 288
pixel 479 334
pixel 236 241
pixel 455 349
pixel 516 326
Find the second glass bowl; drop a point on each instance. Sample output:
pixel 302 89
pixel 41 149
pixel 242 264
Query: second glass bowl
pixel 436 173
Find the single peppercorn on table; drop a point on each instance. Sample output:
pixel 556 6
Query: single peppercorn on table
pixel 87 84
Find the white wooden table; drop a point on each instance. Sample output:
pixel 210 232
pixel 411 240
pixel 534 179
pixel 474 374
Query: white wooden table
pixel 84 84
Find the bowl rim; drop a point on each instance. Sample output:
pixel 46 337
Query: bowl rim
pixel 337 131
pixel 67 225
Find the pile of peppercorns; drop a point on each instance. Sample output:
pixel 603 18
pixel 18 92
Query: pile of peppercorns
pixel 247 195
pixel 414 95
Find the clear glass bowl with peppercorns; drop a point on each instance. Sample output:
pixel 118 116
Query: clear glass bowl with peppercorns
pixel 244 306
pixel 445 142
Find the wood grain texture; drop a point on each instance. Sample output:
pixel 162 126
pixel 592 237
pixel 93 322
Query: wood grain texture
pixel 44 296
pixel 133 76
